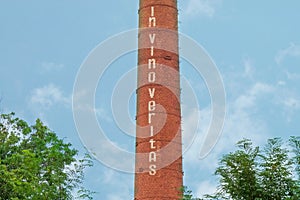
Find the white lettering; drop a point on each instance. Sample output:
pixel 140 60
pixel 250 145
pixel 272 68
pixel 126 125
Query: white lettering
pixel 152 144
pixel 151 131
pixel 151 77
pixel 152 21
pixel 152 51
pixel 151 92
pixel 150 117
pixel 152 11
pixel 152 156
pixel 152 169
pixel 152 38
pixel 151 63
pixel 151 106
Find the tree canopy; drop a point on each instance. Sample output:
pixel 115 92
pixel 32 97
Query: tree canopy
pixel 252 173
pixel 35 164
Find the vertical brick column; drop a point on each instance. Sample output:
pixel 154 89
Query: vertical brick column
pixel 158 134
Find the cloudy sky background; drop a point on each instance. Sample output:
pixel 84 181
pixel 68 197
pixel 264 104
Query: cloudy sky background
pixel 255 45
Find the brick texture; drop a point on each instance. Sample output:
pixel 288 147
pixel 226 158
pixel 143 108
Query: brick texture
pixel 158 133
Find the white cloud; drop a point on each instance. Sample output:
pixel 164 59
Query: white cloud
pixel 281 83
pixel 79 99
pixel 189 125
pixel 248 99
pixel 247 117
pixel 205 8
pixel 192 134
pixel 121 182
pixel 239 124
pixel 240 121
pixel 291 106
pixel 248 69
pixel 292 76
pixel 205 187
pixel 292 51
pixel 109 176
pixel 51 66
pixel 292 103
pixel 102 114
pixel 48 96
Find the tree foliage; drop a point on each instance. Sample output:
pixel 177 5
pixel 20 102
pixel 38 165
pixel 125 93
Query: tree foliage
pixel 35 164
pixel 238 173
pixel 276 172
pixel 187 194
pixel 254 174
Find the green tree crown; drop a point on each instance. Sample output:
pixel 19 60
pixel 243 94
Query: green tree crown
pixel 35 164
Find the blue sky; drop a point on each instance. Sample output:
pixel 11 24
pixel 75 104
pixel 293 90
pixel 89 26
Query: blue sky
pixel 255 45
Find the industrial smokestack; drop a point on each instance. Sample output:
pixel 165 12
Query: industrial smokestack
pixel 158 168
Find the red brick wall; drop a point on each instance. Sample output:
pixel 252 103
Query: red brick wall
pixel 158 116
